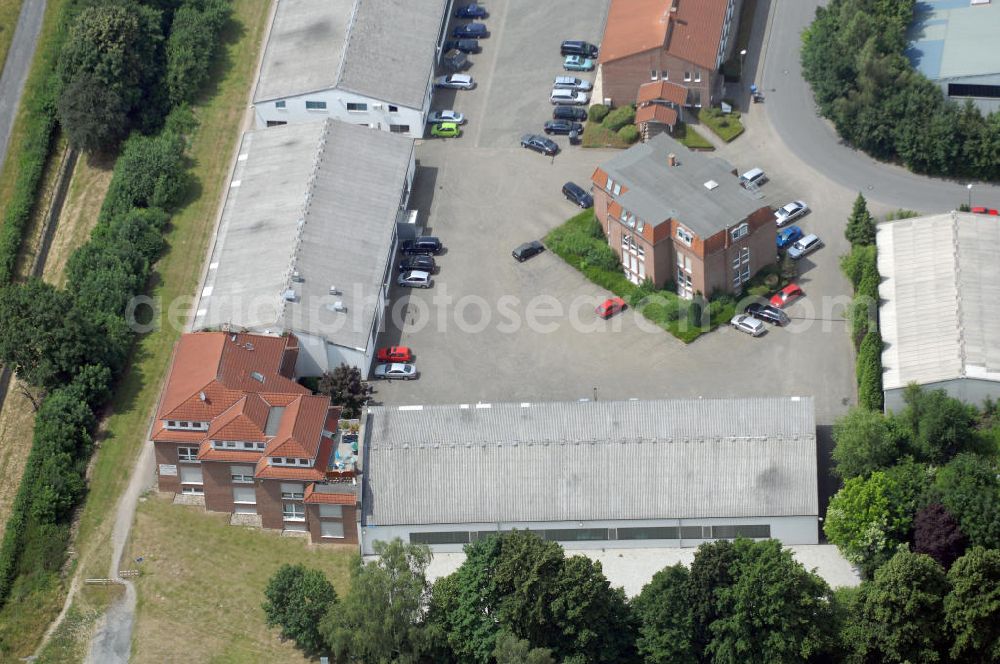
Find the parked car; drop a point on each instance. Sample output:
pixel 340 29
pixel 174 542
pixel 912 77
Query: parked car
pixel 578 63
pixel 425 244
pixel 525 251
pixel 983 210
pixel 572 83
pixel 395 371
pixel 414 279
pixel 767 313
pixel 749 324
pixel 610 307
pixel 470 31
pixel 806 245
pixel 574 113
pixel 790 212
pixel 577 195
pixel 753 177
pixel 446 116
pixel 421 263
pixel 473 10
pixel 562 127
pixel 539 144
pixel 446 130
pixel 786 296
pixel 574 47
pixel 393 354
pixel 455 82
pixel 788 235
pixel 569 97
pixel 463 45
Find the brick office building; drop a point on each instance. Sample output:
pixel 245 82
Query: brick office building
pixel 682 41
pixel 678 216
pixel 235 431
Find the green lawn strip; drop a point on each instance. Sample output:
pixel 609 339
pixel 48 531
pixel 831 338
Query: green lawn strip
pixel 686 135
pixel 581 243
pixel 726 126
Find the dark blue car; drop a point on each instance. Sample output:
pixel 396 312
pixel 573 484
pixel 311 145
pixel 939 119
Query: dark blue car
pixel 463 45
pixel 786 236
pixel 469 31
pixel 471 11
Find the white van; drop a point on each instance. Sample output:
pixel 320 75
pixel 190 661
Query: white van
pixel 568 98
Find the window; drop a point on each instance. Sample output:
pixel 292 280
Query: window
pixel 193 490
pixel 277 460
pixel 649 532
pixel 652 75
pixel 454 537
pixel 293 512
pixel 574 534
pixel 244 495
pixel 399 129
pixel 171 423
pixel 687 76
pixel 279 104
pixel 191 475
pixel 393 109
pixel 691 532
pixel 617 190
pixel 609 184
pixel 331 511
pixel 740 231
pixel 355 107
pixel 241 474
pixel 732 532
pixel 664 74
pixel 685 236
pixel 697 76
pixel 187 453
pixel 334 529
pixel 969 90
pixel 315 105
pixel 276 123
pixel 292 490
pixel 190 426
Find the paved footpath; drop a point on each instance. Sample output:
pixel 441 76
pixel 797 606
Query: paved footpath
pixel 15 70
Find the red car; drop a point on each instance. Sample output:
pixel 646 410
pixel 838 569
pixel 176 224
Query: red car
pixel 983 210
pixel 610 307
pixel 786 295
pixel 394 354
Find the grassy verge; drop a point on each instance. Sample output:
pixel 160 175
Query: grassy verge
pixel 17 425
pixel 581 243
pixel 205 579
pixel 220 113
pixel 9 11
pixel 687 135
pixel 725 126
pixel 596 135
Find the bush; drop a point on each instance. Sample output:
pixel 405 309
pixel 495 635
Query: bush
pixel 869 371
pixel 629 134
pixel 619 117
pixel 194 35
pixel 597 112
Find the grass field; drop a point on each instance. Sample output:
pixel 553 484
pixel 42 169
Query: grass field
pixel 17 425
pixel 205 579
pixel 687 135
pixel 9 11
pixel 220 113
pixel 725 126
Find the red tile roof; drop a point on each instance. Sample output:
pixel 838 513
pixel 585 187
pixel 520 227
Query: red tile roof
pixel 206 453
pixel 161 433
pixel 312 497
pixel 315 473
pixel 244 420
pixel 656 113
pixel 697 31
pixel 301 427
pixel 665 90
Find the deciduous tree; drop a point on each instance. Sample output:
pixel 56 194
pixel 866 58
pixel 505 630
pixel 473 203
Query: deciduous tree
pixel 865 441
pixel 346 388
pixel 664 612
pixel 970 490
pixel 297 598
pixel 972 608
pixel 936 533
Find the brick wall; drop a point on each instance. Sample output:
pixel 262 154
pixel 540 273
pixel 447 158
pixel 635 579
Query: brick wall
pixel 349 519
pixel 165 453
pixel 621 78
pixel 218 486
pixel 269 504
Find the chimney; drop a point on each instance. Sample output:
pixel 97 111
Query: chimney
pixel 672 159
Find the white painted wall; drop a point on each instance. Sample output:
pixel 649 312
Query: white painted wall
pixel 378 113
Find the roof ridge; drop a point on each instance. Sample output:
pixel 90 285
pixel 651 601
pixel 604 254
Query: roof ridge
pixel 348 34
pixel 959 319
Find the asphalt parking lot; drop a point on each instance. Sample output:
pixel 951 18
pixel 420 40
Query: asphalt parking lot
pixel 494 330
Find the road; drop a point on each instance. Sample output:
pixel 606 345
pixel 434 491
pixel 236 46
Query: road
pixel 15 70
pixel 789 105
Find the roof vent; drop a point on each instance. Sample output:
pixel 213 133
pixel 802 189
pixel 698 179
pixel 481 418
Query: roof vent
pixel 257 376
pixel 289 295
pixel 249 346
pixel 672 159
pixel 337 306
pixel 711 184
pixel 201 395
pixel 296 277
pixel 334 291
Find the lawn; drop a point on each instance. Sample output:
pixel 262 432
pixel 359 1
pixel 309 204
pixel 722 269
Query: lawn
pixel 687 135
pixel 581 243
pixel 726 126
pixel 596 135
pixel 204 579
pixel 9 11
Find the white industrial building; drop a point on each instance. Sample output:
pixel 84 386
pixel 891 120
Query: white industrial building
pixel 940 306
pixel 368 62
pixel 307 239
pixel 600 474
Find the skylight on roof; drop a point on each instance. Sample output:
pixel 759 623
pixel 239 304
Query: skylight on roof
pixel 711 184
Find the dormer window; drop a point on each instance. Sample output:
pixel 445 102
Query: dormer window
pixel 740 231
pixel 185 425
pixel 684 235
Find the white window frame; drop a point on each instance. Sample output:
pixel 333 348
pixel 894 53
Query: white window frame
pixel 697 76
pixel 315 105
pixel 653 75
pixel 609 185
pixel 280 105
pixel 187 455
pixel 331 511
pixel 617 189
pixel 191 469
pixel 241 474
pixel 687 77
pixel 193 490
pixel 244 489
pixel 293 512
pixel 290 490
pixel 331 524
pixel 685 236
pixel 739 232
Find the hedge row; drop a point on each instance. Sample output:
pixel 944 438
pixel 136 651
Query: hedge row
pixel 861 268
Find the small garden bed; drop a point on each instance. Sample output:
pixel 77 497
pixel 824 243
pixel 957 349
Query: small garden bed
pixel 691 138
pixel 607 128
pixel 726 126
pixel 581 243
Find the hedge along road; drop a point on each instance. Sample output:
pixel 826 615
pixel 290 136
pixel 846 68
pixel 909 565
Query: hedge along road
pixel 789 106
pixel 15 70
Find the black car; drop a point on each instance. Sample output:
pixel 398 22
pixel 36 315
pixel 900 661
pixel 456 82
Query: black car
pixel 527 250
pixel 463 45
pixel 419 263
pixel 562 127
pixel 575 113
pixel 423 246
pixel 469 31
pixel 578 195
pixel 574 47
pixel 767 313
pixel 471 11
pixel 539 144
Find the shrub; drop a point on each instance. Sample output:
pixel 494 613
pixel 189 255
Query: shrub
pixel 629 134
pixel 193 38
pixel 597 112
pixel 869 371
pixel 619 117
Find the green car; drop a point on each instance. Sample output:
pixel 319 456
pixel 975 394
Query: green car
pixel 445 130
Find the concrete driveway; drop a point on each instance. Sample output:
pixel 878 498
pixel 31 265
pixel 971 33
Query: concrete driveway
pixel 494 330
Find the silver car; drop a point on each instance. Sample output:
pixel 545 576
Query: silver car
pixel 455 82
pixel 568 97
pixel 395 371
pixel 748 324
pixel 790 212
pixel 414 279
pixel 572 83
pixel 803 246
pixel 446 116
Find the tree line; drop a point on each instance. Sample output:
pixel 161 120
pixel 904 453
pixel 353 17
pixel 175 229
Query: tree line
pixel 854 57
pixel 518 599
pixel 71 344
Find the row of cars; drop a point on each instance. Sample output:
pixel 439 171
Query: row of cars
pixel 465 39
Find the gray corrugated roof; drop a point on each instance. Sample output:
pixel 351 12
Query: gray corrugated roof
pixel 591 461
pixel 940 298
pixel 658 191
pixel 383 49
pixel 319 198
